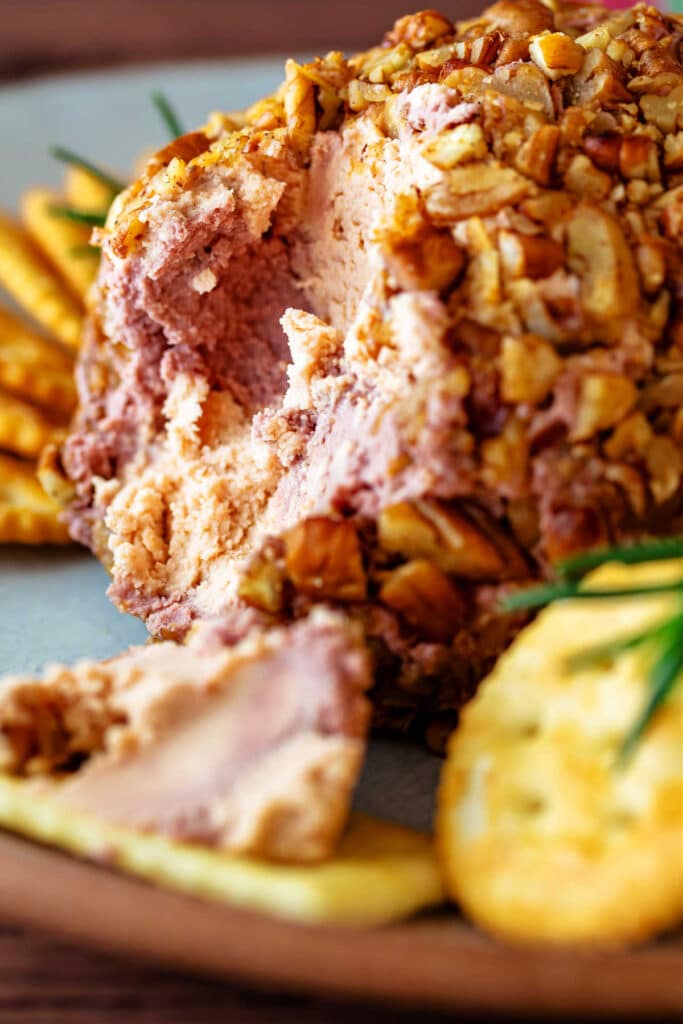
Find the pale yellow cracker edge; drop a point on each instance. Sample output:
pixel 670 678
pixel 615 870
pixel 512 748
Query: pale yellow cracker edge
pixel 381 872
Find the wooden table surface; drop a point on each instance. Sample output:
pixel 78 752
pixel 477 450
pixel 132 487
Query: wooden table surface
pixel 42 980
pixel 45 982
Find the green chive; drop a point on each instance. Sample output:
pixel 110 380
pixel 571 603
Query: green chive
pixel 666 637
pixel 648 551
pixel 667 671
pixel 96 220
pixel 168 115
pixel 67 156
pixel 82 251
pixel 537 597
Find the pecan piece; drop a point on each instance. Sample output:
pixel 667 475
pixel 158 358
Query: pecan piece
pixel 630 438
pixel 536 157
pixel 665 393
pixel 299 106
pixel 127 234
pixel 425 598
pixel 430 529
pixel 639 158
pixel 485 49
pixel 262 582
pixel 602 34
pixel 603 150
pixel 529 367
pixel 323 559
pixel 527 84
pixel 556 54
pixel 459 145
pixel 599 253
pixel 520 17
pixel 531 256
pixel 419 30
pixel 419 256
pixel 665 112
pixel 475 190
pixel 664 463
pixel 651 261
pixel 604 399
pixel 598 83
pixel 673 152
pixel 585 180
pixel 363 94
pixel 378 65
pixel 185 148
pixel 569 529
pixel 268 113
pixel 505 467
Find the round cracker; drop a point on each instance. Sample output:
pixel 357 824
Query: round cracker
pixel 543 837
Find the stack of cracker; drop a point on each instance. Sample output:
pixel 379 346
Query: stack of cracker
pixel 46 269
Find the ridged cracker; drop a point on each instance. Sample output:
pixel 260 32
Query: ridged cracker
pixel 64 243
pixel 27 515
pixel 33 367
pixel 24 429
pixel 84 191
pixel 541 836
pixel 32 283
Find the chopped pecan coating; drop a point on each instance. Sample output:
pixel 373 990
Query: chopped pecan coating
pixel 600 254
pixel 529 368
pixel 263 581
pixel 474 190
pixel 604 400
pixel 556 54
pixel 426 598
pixel 429 529
pixel 323 558
pixel 417 255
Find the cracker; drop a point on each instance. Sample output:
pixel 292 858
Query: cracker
pixel 542 836
pixel 63 242
pixel 85 192
pixel 31 282
pixel 24 429
pixel 380 873
pixel 52 476
pixel 27 515
pixel 34 368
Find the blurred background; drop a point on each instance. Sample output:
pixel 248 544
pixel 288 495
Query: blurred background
pixel 41 36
